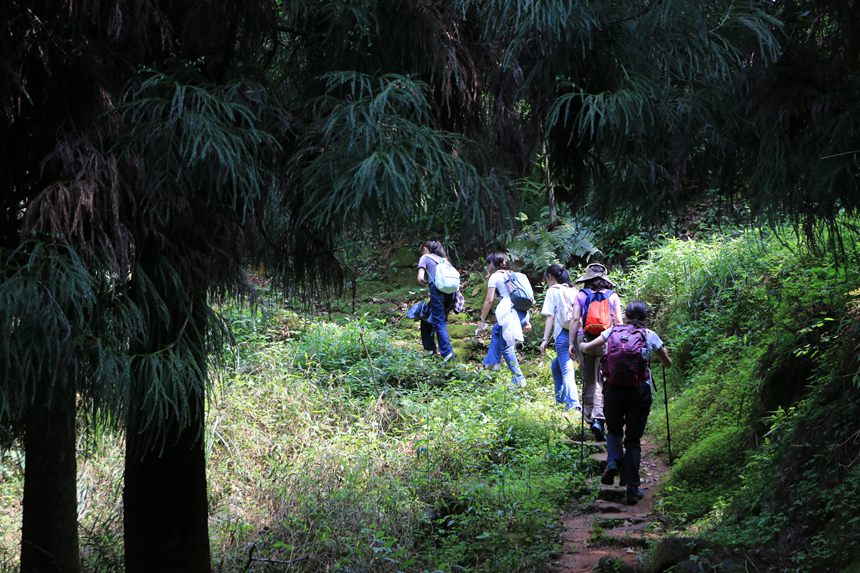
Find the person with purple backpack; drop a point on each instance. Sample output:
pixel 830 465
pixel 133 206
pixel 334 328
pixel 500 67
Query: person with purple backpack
pixel 628 390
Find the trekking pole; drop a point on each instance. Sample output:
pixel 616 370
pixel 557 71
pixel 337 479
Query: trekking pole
pixel 666 404
pixel 581 434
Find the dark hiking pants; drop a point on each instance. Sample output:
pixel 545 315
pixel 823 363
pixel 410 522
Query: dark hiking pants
pixel 626 410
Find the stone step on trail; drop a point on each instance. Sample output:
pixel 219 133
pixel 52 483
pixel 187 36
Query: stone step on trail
pixel 608 527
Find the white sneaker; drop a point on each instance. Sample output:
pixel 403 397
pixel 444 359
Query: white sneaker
pixel 448 357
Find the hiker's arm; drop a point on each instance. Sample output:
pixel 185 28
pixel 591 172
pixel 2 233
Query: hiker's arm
pixel 574 329
pixel 587 346
pixel 663 355
pixel 422 277
pixel 547 329
pixel 488 304
pixel 619 318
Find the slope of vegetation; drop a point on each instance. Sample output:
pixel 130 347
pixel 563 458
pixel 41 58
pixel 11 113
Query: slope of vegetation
pixel 765 395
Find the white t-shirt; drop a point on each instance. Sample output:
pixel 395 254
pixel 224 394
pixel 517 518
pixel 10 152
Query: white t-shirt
pixel 497 281
pixel 553 303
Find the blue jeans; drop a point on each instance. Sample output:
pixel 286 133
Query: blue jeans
pixel 437 323
pixel 563 373
pixel 626 410
pixel 499 348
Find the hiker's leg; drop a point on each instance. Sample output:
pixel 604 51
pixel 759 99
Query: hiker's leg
pixel 438 320
pixel 597 408
pixel 615 405
pixel 588 368
pixel 427 340
pixel 569 394
pixel 494 352
pixel 557 381
pixel 637 410
pixel 509 352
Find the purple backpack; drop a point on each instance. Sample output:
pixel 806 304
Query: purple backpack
pixel 624 362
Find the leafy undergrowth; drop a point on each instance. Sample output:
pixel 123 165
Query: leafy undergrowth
pixel 764 401
pixel 342 447
pixel 346 450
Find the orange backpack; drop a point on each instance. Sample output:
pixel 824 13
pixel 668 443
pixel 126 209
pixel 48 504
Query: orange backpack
pixel 598 312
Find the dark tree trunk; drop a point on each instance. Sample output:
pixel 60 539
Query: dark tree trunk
pixel 550 189
pixel 165 496
pixel 49 536
pixel 166 509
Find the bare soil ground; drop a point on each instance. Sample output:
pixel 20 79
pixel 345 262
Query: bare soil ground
pixel 610 528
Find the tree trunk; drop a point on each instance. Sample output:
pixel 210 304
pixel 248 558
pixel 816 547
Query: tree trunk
pixel 49 535
pixel 165 497
pixel 166 508
pixel 550 188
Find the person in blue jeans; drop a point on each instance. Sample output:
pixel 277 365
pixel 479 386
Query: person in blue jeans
pixel 440 303
pixel 627 407
pixel 558 308
pixel 498 267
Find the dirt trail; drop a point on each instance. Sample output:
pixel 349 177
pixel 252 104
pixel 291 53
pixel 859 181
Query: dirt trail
pixel 608 527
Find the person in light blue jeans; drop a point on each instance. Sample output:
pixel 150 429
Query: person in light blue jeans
pixel 498 267
pixel 558 309
pixel 440 302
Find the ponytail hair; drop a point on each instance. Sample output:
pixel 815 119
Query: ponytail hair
pixel 499 261
pixel 435 248
pixel 559 273
pixel 636 313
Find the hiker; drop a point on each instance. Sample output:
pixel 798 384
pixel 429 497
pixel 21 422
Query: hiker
pixel 510 322
pixel 557 307
pixel 597 308
pixel 629 388
pixel 440 304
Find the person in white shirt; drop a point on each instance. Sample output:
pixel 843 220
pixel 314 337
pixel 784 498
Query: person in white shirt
pixel 558 308
pixel 440 303
pixel 501 342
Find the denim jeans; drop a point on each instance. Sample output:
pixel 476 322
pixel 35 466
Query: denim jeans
pixel 627 410
pixel 592 386
pixel 499 348
pixel 563 373
pixel 437 323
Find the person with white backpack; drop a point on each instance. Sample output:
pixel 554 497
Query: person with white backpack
pixel 558 309
pixel 443 280
pixel 512 315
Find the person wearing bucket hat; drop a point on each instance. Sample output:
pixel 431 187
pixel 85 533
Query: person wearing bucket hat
pixel 596 308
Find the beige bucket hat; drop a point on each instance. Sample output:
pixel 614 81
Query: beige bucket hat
pixel 595 271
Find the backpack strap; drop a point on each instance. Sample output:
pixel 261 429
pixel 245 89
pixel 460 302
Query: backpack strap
pixel 589 298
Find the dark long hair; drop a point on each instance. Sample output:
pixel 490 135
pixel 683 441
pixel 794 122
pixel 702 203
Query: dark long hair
pixel 435 248
pixel 636 313
pixel 559 273
pixel 598 283
pixel 499 261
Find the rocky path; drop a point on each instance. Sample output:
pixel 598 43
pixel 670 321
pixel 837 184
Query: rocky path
pixel 608 528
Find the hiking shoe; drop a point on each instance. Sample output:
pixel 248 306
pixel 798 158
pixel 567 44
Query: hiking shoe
pixel 515 386
pixel 448 357
pixel 597 430
pixel 634 494
pixel 608 477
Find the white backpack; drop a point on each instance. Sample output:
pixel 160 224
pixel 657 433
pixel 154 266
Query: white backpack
pixel 568 298
pixel 447 278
